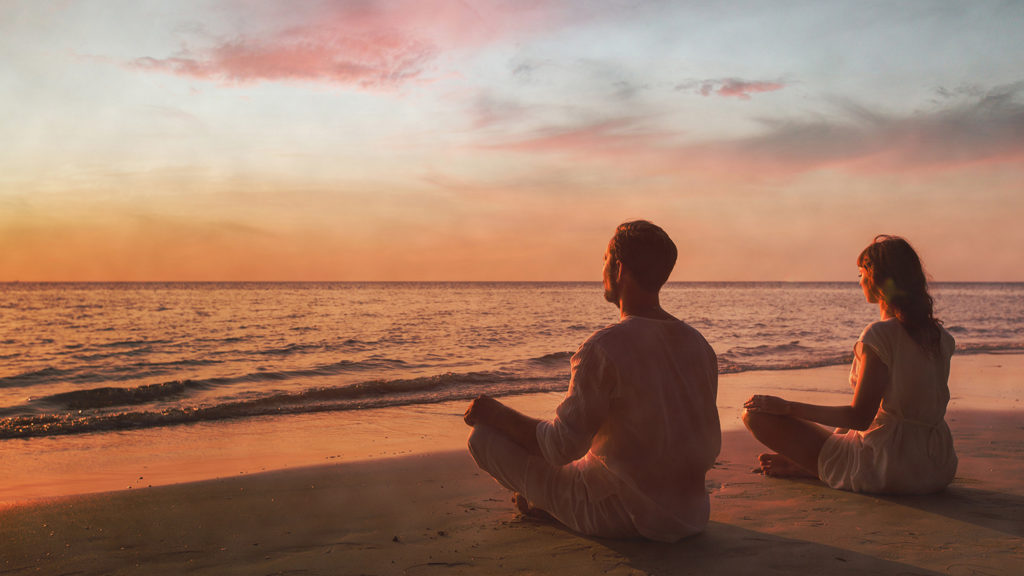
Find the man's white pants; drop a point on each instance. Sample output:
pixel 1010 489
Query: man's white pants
pixel 558 490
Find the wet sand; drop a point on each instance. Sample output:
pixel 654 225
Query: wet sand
pixel 414 503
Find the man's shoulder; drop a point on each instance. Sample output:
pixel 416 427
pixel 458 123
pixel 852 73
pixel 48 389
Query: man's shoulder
pixel 601 339
pixel 622 330
pixel 643 344
pixel 641 331
pixel 609 331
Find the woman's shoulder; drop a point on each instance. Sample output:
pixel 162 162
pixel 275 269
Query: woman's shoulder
pixel 947 344
pixel 891 334
pixel 882 337
pixel 889 326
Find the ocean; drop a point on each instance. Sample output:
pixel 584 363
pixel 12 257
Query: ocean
pixel 88 358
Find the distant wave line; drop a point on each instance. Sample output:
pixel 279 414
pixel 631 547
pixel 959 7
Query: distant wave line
pixel 51 374
pixel 364 395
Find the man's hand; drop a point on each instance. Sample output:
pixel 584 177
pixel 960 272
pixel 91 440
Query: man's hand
pixel 481 411
pixel 520 428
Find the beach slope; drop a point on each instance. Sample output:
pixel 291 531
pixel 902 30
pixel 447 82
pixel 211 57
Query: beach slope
pixel 433 512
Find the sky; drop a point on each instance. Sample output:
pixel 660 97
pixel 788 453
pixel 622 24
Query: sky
pixel 504 140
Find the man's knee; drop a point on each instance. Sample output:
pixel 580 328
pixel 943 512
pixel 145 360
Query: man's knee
pixel 478 442
pixel 498 456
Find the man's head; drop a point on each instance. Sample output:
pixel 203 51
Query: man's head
pixel 645 251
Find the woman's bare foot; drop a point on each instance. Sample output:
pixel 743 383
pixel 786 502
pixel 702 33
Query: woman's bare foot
pixel 526 509
pixel 778 466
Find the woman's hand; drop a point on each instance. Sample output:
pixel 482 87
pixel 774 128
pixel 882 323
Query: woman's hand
pixel 767 405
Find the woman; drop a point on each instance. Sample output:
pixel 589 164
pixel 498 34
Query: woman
pixel 892 438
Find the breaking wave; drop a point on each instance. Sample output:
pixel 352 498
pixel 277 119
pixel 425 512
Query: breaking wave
pixel 78 415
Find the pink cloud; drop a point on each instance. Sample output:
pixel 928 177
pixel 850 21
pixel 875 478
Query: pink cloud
pixel 622 144
pixel 607 136
pixel 364 44
pixel 983 131
pixel 366 60
pixel 734 87
pixel 986 131
pixel 742 90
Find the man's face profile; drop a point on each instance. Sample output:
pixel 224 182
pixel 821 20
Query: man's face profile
pixel 611 268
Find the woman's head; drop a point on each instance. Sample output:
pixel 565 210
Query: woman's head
pixel 892 274
pixel 892 268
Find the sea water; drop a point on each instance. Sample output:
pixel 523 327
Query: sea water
pixel 77 358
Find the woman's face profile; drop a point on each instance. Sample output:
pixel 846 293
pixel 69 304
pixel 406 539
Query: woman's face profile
pixel 866 286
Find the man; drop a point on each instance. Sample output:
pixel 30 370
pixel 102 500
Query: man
pixel 627 451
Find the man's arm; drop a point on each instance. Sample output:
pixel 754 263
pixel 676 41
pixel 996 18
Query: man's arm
pixel 519 427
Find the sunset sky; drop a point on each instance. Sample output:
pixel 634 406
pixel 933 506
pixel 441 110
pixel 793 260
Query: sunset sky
pixel 504 140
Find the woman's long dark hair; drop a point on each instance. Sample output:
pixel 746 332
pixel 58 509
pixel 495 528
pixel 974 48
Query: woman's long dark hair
pixel 897 277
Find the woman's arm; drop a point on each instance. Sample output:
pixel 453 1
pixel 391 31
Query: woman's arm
pixel 867 397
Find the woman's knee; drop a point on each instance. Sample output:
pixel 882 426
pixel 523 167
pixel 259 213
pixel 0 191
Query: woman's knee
pixel 752 420
pixel 765 426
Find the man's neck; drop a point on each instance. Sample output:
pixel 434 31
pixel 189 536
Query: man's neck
pixel 644 305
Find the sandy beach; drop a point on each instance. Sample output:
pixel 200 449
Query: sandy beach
pixel 402 496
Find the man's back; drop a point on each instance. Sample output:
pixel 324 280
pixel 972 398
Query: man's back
pixel 643 399
pixel 627 452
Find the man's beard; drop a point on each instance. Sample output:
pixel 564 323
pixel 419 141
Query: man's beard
pixel 611 293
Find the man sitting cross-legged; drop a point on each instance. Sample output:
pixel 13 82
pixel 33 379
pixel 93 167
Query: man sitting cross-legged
pixel 638 429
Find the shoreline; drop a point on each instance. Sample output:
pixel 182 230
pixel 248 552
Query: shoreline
pixel 435 513
pixel 58 466
pixel 406 498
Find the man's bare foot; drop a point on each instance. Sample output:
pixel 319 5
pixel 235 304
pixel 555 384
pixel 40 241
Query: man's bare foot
pixel 526 509
pixel 778 466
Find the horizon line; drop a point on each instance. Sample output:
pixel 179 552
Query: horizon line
pixel 3 282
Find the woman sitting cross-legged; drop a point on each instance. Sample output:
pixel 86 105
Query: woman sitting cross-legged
pixel 892 438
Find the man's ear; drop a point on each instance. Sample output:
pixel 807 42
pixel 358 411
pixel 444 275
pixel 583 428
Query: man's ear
pixel 620 272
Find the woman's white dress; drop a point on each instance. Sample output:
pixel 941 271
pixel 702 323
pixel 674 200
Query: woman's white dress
pixel 908 448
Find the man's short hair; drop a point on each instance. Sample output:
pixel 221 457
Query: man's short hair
pixel 646 250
